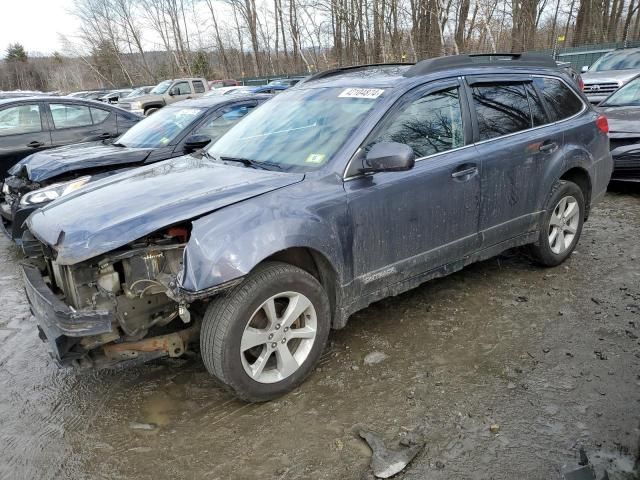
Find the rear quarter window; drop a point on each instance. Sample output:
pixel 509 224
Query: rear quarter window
pixel 198 87
pixel 561 101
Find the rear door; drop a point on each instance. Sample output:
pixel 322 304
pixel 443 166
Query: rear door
pixel 23 131
pixel 406 223
pixel 73 123
pixel 515 142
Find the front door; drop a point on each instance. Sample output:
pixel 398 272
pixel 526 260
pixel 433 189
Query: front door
pixel 406 223
pixel 22 132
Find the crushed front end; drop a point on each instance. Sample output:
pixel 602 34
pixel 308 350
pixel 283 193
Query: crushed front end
pixel 115 307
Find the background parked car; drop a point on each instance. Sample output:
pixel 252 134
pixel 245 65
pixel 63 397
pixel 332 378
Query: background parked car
pixel 115 95
pixel 176 130
pixel 136 92
pixel 28 125
pixel 267 89
pixel 165 93
pixel 223 91
pixel 610 72
pixel 623 111
pixel 223 83
pixel 287 82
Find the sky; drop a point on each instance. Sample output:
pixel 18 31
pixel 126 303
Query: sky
pixel 36 24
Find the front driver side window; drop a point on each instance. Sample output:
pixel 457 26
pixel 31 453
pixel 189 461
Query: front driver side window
pixel 182 88
pixel 430 124
pixel 218 126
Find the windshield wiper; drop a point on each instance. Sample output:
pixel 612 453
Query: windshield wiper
pixel 252 163
pixel 118 144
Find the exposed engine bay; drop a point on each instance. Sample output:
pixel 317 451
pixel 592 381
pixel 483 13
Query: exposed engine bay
pixel 133 284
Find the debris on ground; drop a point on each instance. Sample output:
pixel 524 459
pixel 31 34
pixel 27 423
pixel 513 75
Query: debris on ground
pixel 386 462
pixel 495 428
pixel 142 426
pixel 585 471
pixel 375 357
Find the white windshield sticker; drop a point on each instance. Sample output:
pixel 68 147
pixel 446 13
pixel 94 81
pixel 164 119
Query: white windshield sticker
pixel 361 93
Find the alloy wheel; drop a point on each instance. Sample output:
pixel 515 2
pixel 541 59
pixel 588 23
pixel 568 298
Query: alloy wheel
pixel 563 224
pixel 278 337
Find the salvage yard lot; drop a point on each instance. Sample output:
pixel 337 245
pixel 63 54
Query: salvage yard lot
pixel 549 356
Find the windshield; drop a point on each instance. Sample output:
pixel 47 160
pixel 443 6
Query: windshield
pixel 137 92
pixel 627 96
pixel 299 130
pixel 617 61
pixel 159 129
pixel 161 88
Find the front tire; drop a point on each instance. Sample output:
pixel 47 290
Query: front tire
pixel 263 338
pixel 561 224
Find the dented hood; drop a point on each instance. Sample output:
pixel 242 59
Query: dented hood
pixel 48 164
pixel 110 213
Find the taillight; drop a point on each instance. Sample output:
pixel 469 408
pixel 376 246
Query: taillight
pixel 602 123
pixel 581 83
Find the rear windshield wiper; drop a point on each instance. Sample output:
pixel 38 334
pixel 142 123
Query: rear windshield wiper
pixel 252 163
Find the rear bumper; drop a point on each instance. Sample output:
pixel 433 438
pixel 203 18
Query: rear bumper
pixel 60 325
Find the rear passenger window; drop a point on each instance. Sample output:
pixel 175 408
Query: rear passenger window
pixel 99 115
pixel 561 100
pixel 198 86
pixel 68 115
pixel 538 114
pixel 501 109
pixel 430 124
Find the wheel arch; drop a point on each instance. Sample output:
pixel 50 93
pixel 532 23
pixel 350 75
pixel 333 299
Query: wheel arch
pixel 580 177
pixel 315 263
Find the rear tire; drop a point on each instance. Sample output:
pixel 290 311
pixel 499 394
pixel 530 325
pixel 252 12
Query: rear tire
pixel 264 337
pixel 561 224
pixel 150 111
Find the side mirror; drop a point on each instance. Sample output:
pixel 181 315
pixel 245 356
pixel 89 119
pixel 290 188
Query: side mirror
pixel 584 69
pixel 389 157
pixel 196 142
pixel 173 91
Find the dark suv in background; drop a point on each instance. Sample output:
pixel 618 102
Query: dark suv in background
pixel 356 184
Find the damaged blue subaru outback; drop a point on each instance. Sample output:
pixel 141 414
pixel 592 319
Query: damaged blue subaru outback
pixel 354 185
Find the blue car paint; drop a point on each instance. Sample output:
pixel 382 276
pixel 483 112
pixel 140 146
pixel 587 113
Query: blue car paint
pixel 377 234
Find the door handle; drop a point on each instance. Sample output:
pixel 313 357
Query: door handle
pixel 548 147
pixel 35 144
pixel 467 171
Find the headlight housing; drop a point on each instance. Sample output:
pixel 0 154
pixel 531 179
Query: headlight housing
pixel 136 105
pixel 53 192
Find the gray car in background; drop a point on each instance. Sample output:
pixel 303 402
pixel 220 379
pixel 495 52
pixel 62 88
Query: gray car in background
pixel 610 72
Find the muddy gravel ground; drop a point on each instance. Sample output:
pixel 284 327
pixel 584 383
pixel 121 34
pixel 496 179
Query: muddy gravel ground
pixel 550 357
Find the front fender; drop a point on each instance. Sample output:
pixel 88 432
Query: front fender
pixel 229 243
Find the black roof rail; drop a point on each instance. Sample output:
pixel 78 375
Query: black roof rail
pixel 485 59
pixel 339 70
